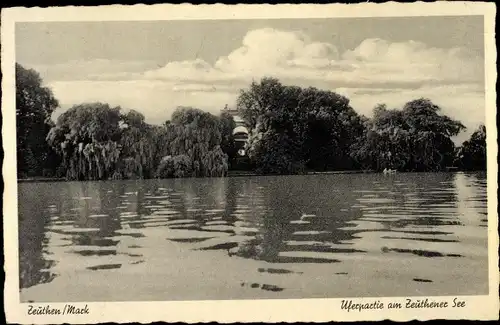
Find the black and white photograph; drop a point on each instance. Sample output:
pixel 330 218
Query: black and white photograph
pixel 252 159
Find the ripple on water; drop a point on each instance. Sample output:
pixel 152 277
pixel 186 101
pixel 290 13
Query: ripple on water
pixel 427 239
pixel 190 240
pixel 214 210
pixel 153 206
pixel 156 218
pixel 94 252
pixel 218 228
pixel 155 224
pixel 310 232
pixel 64 223
pixel 216 222
pixel 182 222
pixel 93 216
pixel 157 197
pixel 165 212
pixel 133 222
pixel 417 224
pixel 276 271
pixel 129 232
pixel 129 216
pixel 104 267
pixel 300 222
pixel 420 252
pixel 306 257
pixel 265 287
pixel 81 230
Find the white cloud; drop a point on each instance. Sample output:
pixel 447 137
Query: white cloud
pixel 376 71
pixel 267 49
pixel 92 69
pixel 464 102
pixel 155 99
pixel 293 56
pixel 416 61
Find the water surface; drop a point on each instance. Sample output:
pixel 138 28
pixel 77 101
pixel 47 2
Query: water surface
pixel 254 237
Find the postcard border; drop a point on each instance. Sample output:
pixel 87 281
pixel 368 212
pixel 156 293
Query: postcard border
pixel 282 310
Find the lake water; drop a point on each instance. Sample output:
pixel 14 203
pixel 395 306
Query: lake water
pixel 349 235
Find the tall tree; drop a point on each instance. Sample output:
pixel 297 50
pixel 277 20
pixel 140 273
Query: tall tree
pixel 138 147
pixel 193 139
pixel 472 154
pixel 414 138
pixel 268 109
pixel 87 137
pixel 34 106
pixel 293 129
pixel 226 127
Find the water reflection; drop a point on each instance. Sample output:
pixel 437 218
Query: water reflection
pixel 98 226
pixel 35 262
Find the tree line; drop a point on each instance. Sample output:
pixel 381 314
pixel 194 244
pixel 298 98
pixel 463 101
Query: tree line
pixel 291 130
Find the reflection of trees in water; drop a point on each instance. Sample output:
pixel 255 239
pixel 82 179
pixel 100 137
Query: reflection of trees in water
pixel 196 201
pixel 422 209
pixel 471 198
pixel 316 215
pixel 98 211
pixel 134 203
pixel 199 196
pixel 302 210
pixel 274 218
pixel 413 202
pixel 34 217
pixel 230 200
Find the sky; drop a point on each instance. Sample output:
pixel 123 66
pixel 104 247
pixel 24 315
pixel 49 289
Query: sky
pixel 156 66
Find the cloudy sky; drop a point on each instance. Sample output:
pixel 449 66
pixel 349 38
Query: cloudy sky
pixel 155 66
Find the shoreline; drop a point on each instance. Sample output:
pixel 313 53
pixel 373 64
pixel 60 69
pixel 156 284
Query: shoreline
pixel 230 174
pixel 245 174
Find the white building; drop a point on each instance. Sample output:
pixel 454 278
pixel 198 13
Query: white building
pixel 240 132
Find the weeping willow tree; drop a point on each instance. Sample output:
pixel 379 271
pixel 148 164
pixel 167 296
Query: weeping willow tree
pixel 177 166
pixel 192 149
pixel 215 163
pixel 138 147
pixel 415 138
pixel 86 137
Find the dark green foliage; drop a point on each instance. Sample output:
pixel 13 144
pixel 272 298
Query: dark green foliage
pixel 215 163
pixel 472 154
pixel 294 129
pixel 177 166
pixel 226 127
pixel 138 147
pixel 86 136
pixel 195 136
pixel 291 130
pixel 416 138
pixel 96 141
pixel 34 106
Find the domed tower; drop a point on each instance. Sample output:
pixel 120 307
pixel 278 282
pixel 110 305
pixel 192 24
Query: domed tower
pixel 240 132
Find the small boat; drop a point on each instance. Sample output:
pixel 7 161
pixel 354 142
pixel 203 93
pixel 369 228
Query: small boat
pixel 389 171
